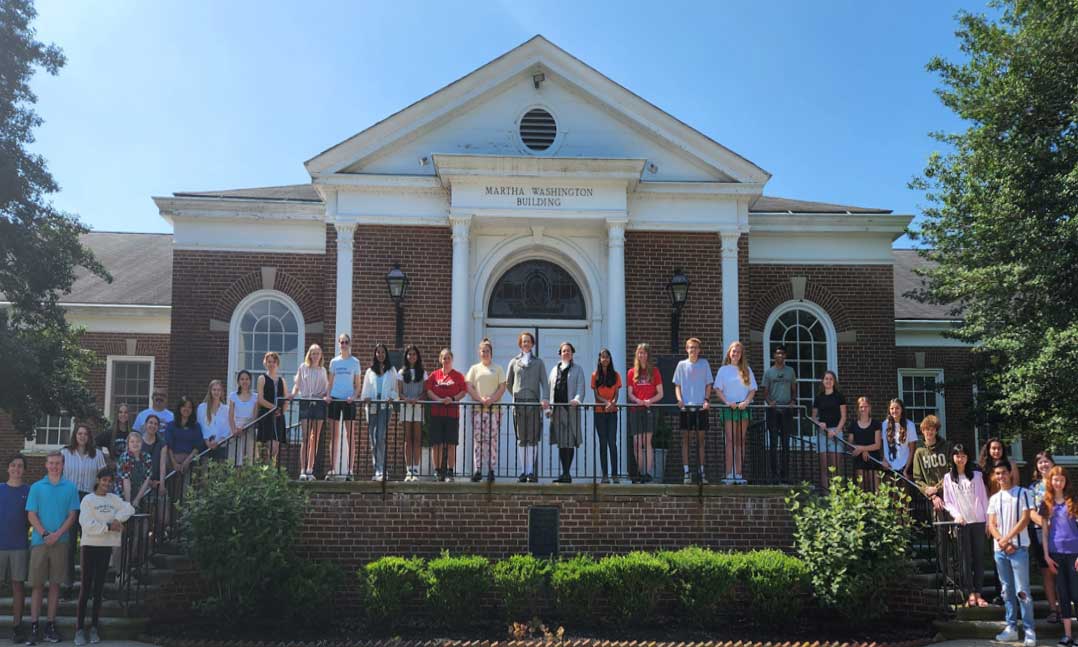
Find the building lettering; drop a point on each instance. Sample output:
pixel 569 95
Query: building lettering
pixel 539 196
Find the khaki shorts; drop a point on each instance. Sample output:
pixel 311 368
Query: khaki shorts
pixel 48 563
pixel 14 564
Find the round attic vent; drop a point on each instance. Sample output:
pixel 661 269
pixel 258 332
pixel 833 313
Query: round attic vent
pixel 538 129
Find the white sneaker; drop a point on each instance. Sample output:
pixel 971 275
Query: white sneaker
pixel 1031 640
pixel 729 478
pixel 686 479
pixel 377 476
pixel 1008 635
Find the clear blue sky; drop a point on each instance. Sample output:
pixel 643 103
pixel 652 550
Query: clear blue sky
pixel 160 96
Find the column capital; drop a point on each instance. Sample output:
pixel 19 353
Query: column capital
pixel 615 232
pixel 461 226
pixel 729 241
pixel 346 232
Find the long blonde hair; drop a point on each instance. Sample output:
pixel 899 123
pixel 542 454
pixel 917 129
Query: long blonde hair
pixel 211 408
pixel 645 369
pixel 742 364
pixel 307 357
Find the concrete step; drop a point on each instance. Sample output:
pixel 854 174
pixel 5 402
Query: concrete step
pixel 987 629
pixel 170 562
pixel 991 612
pixel 109 608
pixel 110 628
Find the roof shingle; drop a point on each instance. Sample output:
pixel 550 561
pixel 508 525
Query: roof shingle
pixel 141 268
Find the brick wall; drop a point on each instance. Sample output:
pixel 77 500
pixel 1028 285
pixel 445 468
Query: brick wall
pixel 209 285
pixel 425 254
pixel 858 298
pixel 957 391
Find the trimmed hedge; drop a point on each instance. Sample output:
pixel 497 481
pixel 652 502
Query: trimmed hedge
pixel 627 588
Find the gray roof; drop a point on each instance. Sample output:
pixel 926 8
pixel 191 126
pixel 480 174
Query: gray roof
pixel 770 204
pixel 294 192
pixel 141 268
pixel 906 261
pixel 307 193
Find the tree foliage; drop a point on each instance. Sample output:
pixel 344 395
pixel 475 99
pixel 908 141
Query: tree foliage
pixel 1001 229
pixel 44 367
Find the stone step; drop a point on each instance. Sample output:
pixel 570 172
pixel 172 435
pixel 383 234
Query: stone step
pixel 987 629
pixel 992 612
pixel 170 562
pixel 109 608
pixel 110 628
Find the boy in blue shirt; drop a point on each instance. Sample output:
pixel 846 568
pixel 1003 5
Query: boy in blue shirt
pixel 52 507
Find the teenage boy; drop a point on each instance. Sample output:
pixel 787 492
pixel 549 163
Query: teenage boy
pixel 692 385
pixel 53 507
pixel 14 547
pixel 1008 516
pixel 778 391
pixel 931 462
pixel 158 409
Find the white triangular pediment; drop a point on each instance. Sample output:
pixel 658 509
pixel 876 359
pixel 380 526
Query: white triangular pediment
pixel 480 115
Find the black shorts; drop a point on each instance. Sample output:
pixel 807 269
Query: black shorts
pixel 443 430
pixel 693 419
pixel 339 407
pixel 312 410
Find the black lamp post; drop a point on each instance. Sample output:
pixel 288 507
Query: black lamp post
pixel 678 287
pixel 397 281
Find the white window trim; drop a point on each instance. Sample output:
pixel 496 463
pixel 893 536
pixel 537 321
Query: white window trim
pixel 825 321
pixel 109 361
pixel 941 403
pixel 234 328
pixel 31 447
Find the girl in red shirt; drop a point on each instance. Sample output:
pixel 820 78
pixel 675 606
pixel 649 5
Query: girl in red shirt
pixel 448 387
pixel 645 389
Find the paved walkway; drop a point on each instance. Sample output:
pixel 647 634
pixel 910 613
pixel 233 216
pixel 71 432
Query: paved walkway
pixel 979 643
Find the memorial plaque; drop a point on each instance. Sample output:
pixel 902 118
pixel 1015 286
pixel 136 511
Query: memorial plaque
pixel 543 532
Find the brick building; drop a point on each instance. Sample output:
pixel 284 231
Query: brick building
pixel 533 193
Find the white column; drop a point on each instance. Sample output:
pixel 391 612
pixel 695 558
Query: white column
pixel 346 232
pixel 615 282
pixel 730 308
pixel 461 313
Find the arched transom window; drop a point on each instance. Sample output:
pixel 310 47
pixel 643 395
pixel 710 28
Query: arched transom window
pixel 265 321
pixel 810 340
pixel 537 289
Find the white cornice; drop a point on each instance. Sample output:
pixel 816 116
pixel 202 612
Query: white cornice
pixel 894 224
pixel 379 183
pixel 928 333
pixel 225 209
pixel 120 318
pixel 698 190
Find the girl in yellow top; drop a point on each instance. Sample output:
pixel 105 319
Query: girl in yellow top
pixel 486 385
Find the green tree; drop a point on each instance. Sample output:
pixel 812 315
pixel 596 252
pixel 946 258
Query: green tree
pixel 44 368
pixel 1002 227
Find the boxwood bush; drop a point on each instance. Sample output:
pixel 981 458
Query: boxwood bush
pixel 702 581
pixel 455 586
pixel 577 584
pixel 390 586
pixel 523 582
pixel 634 583
pixel 776 584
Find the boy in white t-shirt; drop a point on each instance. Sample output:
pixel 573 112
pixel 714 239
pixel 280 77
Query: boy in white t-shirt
pixel 692 384
pixel 1008 515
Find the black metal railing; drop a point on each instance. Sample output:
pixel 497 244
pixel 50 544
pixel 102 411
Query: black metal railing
pixel 489 443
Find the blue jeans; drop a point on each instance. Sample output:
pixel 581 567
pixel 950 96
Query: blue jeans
pixel 377 426
pixel 1013 572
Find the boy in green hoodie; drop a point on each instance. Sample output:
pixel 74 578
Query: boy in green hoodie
pixel 931 462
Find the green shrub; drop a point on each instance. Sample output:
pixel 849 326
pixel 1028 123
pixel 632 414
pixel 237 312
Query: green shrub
pixel 240 526
pixel 455 586
pixel 390 585
pixel 306 593
pixel 855 545
pixel 634 583
pixel 703 581
pixel 522 581
pixel 776 584
pixel 576 584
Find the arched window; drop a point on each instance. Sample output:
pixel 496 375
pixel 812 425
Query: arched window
pixel 265 321
pixel 536 289
pixel 810 340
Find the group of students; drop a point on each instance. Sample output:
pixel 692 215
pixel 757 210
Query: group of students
pixel 985 499
pixel 39 525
